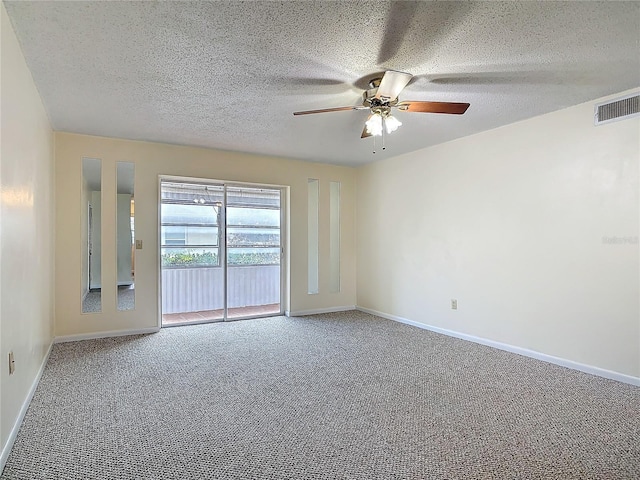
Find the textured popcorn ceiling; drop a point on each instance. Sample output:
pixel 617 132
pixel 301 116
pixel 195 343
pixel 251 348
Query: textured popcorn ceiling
pixel 229 75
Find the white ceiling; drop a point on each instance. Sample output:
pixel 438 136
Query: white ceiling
pixel 229 75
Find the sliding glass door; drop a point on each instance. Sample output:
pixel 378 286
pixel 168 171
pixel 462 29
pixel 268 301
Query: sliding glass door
pixel 253 251
pixel 220 252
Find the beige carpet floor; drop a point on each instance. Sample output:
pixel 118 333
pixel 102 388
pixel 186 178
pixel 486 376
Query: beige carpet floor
pixel 340 396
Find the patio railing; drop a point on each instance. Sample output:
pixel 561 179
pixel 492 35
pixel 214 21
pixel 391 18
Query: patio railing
pixel 200 289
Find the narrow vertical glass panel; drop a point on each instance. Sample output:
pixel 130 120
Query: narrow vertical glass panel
pixel 125 235
pixel 312 237
pixel 91 198
pixel 334 237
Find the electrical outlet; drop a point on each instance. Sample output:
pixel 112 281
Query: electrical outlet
pixel 12 363
pixel 454 304
pixel 138 244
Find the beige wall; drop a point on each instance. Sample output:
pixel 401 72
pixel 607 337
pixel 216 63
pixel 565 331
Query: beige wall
pixel 514 224
pixel 152 160
pixel 26 233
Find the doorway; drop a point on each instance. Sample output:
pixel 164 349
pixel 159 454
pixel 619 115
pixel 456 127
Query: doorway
pixel 221 251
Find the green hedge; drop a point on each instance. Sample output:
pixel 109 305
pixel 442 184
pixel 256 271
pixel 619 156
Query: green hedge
pixel 179 259
pixel 210 259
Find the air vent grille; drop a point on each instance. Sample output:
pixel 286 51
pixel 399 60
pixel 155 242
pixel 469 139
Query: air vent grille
pixel 620 109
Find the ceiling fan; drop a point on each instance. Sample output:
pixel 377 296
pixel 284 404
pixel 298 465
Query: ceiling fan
pixel 382 96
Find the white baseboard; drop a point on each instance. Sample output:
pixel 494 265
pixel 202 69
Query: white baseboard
pixel 6 449
pixel 113 333
pixel 600 372
pixel 316 311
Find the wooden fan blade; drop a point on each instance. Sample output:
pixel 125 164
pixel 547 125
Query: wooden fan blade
pixel 337 109
pixel 434 107
pixel 392 84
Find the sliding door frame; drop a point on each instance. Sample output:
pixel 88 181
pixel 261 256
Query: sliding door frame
pixel 222 233
pixel 283 246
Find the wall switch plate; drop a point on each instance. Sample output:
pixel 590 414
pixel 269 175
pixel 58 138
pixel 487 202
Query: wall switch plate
pixel 12 363
pixel 138 244
pixel 454 304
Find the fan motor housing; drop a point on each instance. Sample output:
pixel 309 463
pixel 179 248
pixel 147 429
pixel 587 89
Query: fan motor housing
pixel 369 96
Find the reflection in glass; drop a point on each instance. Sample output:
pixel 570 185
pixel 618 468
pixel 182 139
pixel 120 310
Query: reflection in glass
pixel 91 235
pixel 125 231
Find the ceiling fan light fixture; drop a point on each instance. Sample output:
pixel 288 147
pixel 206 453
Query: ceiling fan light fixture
pixel 379 121
pixel 391 123
pixel 374 125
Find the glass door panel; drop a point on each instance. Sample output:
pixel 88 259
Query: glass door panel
pixel 253 240
pixel 192 252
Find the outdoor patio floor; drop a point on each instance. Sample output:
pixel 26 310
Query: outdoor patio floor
pixel 217 315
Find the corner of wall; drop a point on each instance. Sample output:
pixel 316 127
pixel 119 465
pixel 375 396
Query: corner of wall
pixel 27 247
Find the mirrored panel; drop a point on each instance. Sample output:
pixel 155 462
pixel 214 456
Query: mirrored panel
pixel 125 232
pixel 91 235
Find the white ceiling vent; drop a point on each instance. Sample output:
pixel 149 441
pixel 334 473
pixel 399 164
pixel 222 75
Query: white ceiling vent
pixel 620 109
